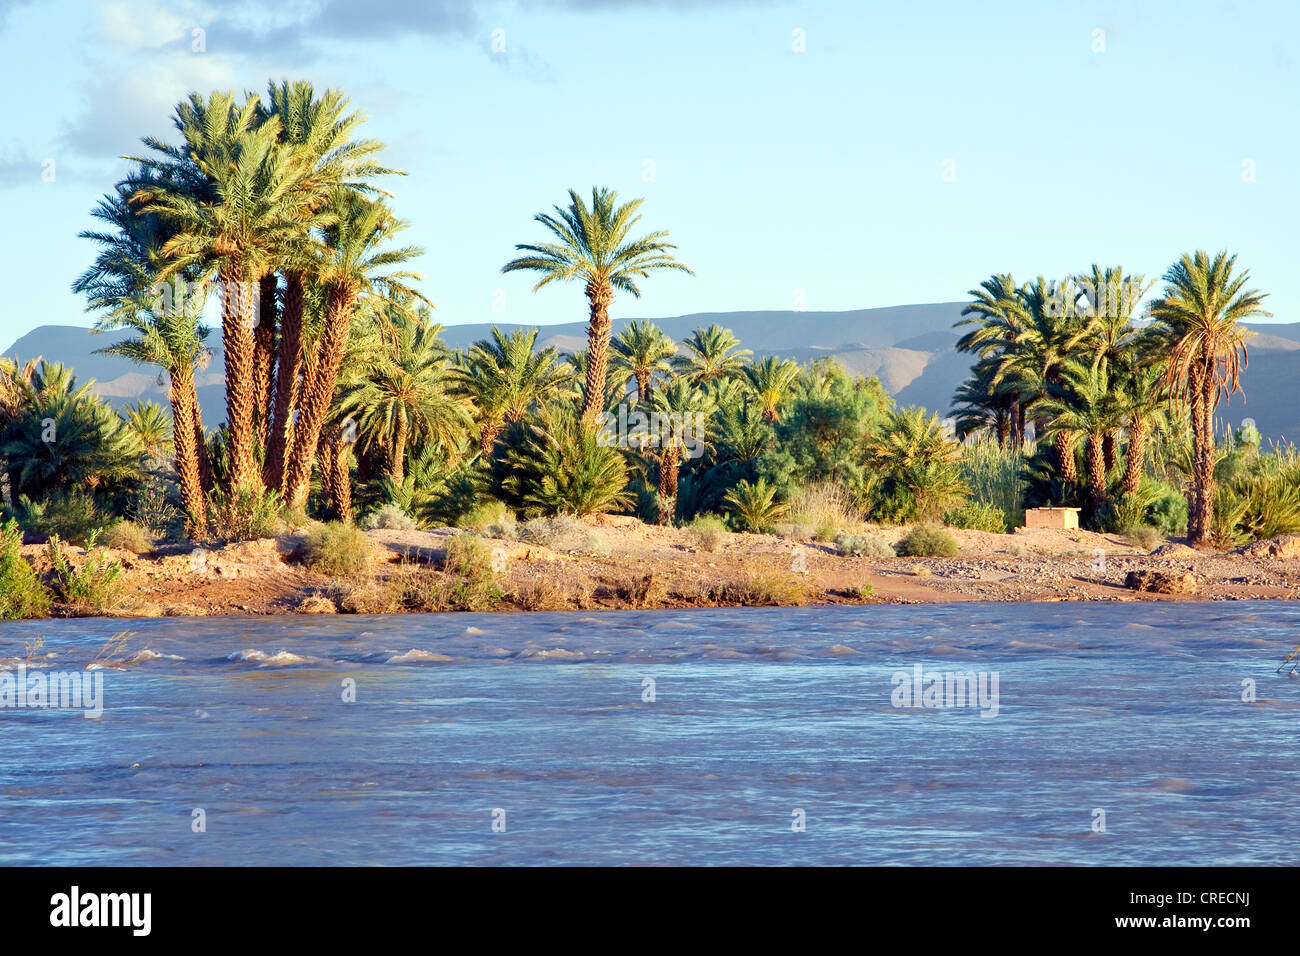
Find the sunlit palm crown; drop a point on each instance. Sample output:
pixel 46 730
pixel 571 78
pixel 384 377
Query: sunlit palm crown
pixel 594 245
pixel 712 353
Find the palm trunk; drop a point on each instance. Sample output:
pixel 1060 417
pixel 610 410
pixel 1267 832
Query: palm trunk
pixel 184 402
pixel 237 343
pixel 1198 531
pixel 669 462
pixel 600 295
pixel 288 367
pixel 1108 450
pixel 1097 474
pixel 642 387
pixel 1137 452
pixel 487 439
pixel 1003 428
pixel 336 478
pixel 397 455
pixel 318 392
pixel 1020 425
pixel 264 356
pixel 1064 443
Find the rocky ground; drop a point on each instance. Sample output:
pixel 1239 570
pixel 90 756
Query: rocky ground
pixel 618 562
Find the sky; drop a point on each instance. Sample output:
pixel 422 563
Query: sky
pixel 826 156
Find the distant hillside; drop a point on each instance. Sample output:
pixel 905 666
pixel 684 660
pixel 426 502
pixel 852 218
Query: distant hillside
pixel 908 347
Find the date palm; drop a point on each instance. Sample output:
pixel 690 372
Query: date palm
pixel 594 246
pixel 772 381
pixel 505 376
pixel 357 268
pixel 1198 318
pixel 644 351
pixel 997 312
pixel 712 354
pixel 1086 403
pixel 684 411
pixel 240 202
pixel 322 130
pixel 408 396
pixel 164 319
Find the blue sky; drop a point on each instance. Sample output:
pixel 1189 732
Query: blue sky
pixel 780 173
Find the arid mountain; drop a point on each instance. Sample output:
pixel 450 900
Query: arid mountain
pixel 909 348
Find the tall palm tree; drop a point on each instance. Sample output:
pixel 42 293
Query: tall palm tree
pixel 772 380
pixel 1085 403
pixel 409 396
pixel 594 246
pixel 321 129
pixel 505 376
pixel 1142 405
pixel 1198 319
pixel 997 312
pixel 684 411
pixel 165 321
pixel 240 202
pixel 353 269
pixel 712 354
pixel 644 351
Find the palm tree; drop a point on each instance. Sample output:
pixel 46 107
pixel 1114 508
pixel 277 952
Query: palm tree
pixel 1085 403
pixel 979 405
pixel 352 270
pixel 643 350
pixel 1141 405
pixel 407 397
pixel 321 129
pixel 684 411
pixel 505 377
pixel 917 459
pixel 772 380
pixel 998 314
pixel 594 246
pixel 150 426
pixel 710 356
pixel 240 204
pixel 167 331
pixel 1198 316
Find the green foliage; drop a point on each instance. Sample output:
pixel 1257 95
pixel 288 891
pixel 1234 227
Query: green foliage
pixel 124 535
pixel 978 517
pixel 754 506
pixel 916 468
pixel 994 475
pixel 929 541
pixel 337 549
pixel 1143 537
pixel 491 518
pixel 247 513
pixel 73 515
pixel 868 545
pixel 388 516
pixel 94 587
pixel 22 593
pixel 708 532
pixel 563 467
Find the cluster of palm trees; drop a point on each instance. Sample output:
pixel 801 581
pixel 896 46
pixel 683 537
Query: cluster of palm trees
pixel 1073 359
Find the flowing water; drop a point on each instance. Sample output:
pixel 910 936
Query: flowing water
pixel 757 720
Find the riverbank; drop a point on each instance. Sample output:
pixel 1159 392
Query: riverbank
pixel 616 562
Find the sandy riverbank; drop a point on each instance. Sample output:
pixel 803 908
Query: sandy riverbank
pixel 626 564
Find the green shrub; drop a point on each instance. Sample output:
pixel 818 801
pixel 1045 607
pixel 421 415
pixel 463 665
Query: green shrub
pixel 124 535
pixel 93 588
pixel 468 556
pixel 561 532
pixel 929 541
pixel 869 545
pixel 247 513
pixel 22 593
pixel 388 516
pixel 337 549
pixel 994 474
pixel 824 534
pixel 977 517
pixel 1168 512
pixel 708 532
pixel 492 518
pixel 1144 537
pixel 73 516
pixel 754 506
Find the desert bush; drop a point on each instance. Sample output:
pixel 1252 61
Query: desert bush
pixel 468 556
pixel 823 504
pixel 754 506
pixel 869 545
pixel 824 534
pixel 793 531
pixel 247 513
pixel 764 584
pixel 977 517
pixel 337 549
pixel 645 590
pixel 388 516
pixel 491 518
pixel 708 532
pixel 126 535
pixel 540 595
pixel 561 532
pixel 1144 537
pixel 372 597
pixel 93 588
pixel 22 593
pixel 929 541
